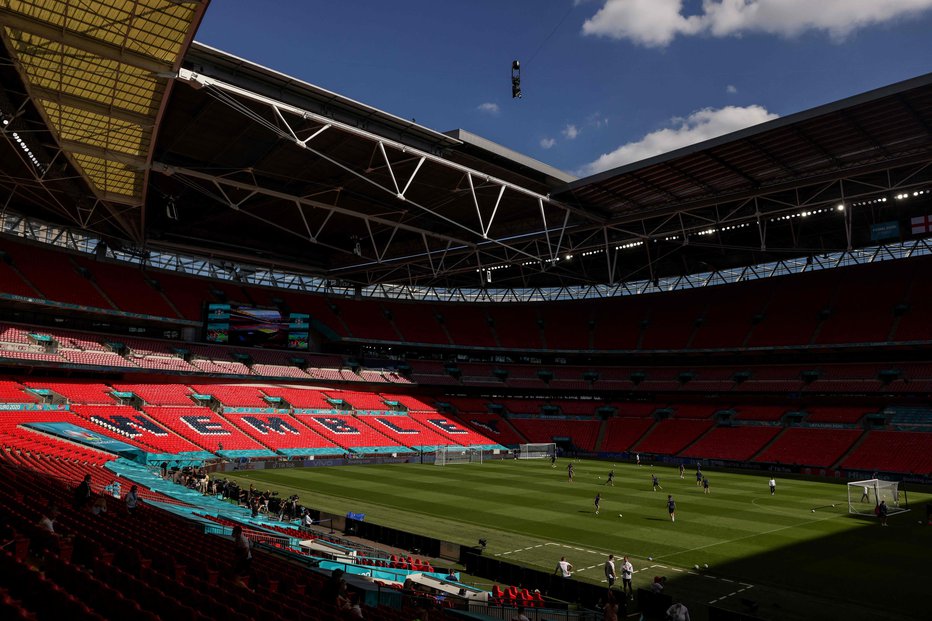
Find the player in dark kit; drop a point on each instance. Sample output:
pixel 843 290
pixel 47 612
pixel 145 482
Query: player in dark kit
pixel 698 478
pixel 656 482
pixel 569 472
pixel 598 499
pixel 611 478
pixel 671 507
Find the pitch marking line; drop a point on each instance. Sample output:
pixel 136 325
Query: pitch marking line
pixel 714 601
pixel 751 536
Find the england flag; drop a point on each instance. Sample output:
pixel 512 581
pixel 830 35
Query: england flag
pixel 921 224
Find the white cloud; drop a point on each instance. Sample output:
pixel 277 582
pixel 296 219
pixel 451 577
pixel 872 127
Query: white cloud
pixel 546 143
pixel 570 131
pixel 655 23
pixel 698 126
pixel 731 89
pixel 489 108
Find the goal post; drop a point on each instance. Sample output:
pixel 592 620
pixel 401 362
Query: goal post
pixel 865 496
pixel 447 455
pixel 537 451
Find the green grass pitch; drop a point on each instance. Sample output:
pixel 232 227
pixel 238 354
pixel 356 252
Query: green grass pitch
pixel 795 563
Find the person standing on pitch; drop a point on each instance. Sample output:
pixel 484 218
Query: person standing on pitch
pixel 655 482
pixel 773 486
pixel 637 459
pixel 610 570
pixel 564 568
pixel 866 496
pixel 671 507
pixel 705 486
pixel 598 499
pixel 627 571
pixel 682 471
pixel 611 478
pixel 569 472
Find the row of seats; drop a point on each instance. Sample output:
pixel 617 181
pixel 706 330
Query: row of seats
pixel 822 307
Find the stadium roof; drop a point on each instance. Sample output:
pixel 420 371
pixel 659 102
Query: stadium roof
pixel 225 158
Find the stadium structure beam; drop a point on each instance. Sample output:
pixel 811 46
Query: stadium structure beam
pixel 224 92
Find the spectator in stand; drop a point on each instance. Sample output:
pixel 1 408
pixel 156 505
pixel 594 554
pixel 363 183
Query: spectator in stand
pixel 678 612
pixel 882 512
pixel 610 609
pixel 658 584
pixel 47 520
pixel 99 505
pixel 46 538
pixel 82 493
pixel 523 617
pixel 242 553
pixel 336 593
pixel 164 469
pixel 132 499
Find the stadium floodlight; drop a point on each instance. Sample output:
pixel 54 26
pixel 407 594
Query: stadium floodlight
pixel 537 451
pixel 864 497
pixel 447 455
pixel 515 79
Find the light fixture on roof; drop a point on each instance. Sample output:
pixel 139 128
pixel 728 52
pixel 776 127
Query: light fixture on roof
pixel 515 79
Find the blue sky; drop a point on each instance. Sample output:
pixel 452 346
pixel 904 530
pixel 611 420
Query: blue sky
pixel 605 82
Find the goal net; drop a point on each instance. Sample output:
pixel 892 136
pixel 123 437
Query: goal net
pixel 865 496
pixel 446 455
pixel 537 451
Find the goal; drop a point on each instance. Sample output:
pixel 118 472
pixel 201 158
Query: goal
pixel 865 496
pixel 446 455
pixel 537 451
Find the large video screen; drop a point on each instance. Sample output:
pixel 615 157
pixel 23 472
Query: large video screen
pixel 255 327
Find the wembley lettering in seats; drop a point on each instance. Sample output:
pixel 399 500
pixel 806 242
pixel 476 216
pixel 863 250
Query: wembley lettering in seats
pixel 272 423
pixel 205 426
pixel 388 423
pixel 336 425
pixel 445 425
pixel 132 427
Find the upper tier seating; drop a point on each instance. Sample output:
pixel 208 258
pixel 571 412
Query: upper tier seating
pixel 733 443
pixel 622 433
pixel 77 392
pixel 583 432
pixel 893 451
pixel 158 394
pixel 670 436
pixel 826 414
pixel 810 447
pixel 233 395
pixel 493 427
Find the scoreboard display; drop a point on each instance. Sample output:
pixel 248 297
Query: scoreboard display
pixel 249 326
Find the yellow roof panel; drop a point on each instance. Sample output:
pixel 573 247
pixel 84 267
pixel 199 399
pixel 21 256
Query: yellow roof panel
pixel 110 177
pixel 98 130
pixel 98 70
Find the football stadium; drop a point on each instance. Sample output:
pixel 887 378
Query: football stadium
pixel 268 352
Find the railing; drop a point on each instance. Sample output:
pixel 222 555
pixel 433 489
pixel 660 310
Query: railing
pixel 534 614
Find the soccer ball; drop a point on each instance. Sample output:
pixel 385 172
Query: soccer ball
pixel 650 558
pixel 706 565
pixel 600 478
pixel 695 567
pixel 813 510
pixel 833 505
pixel 619 515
